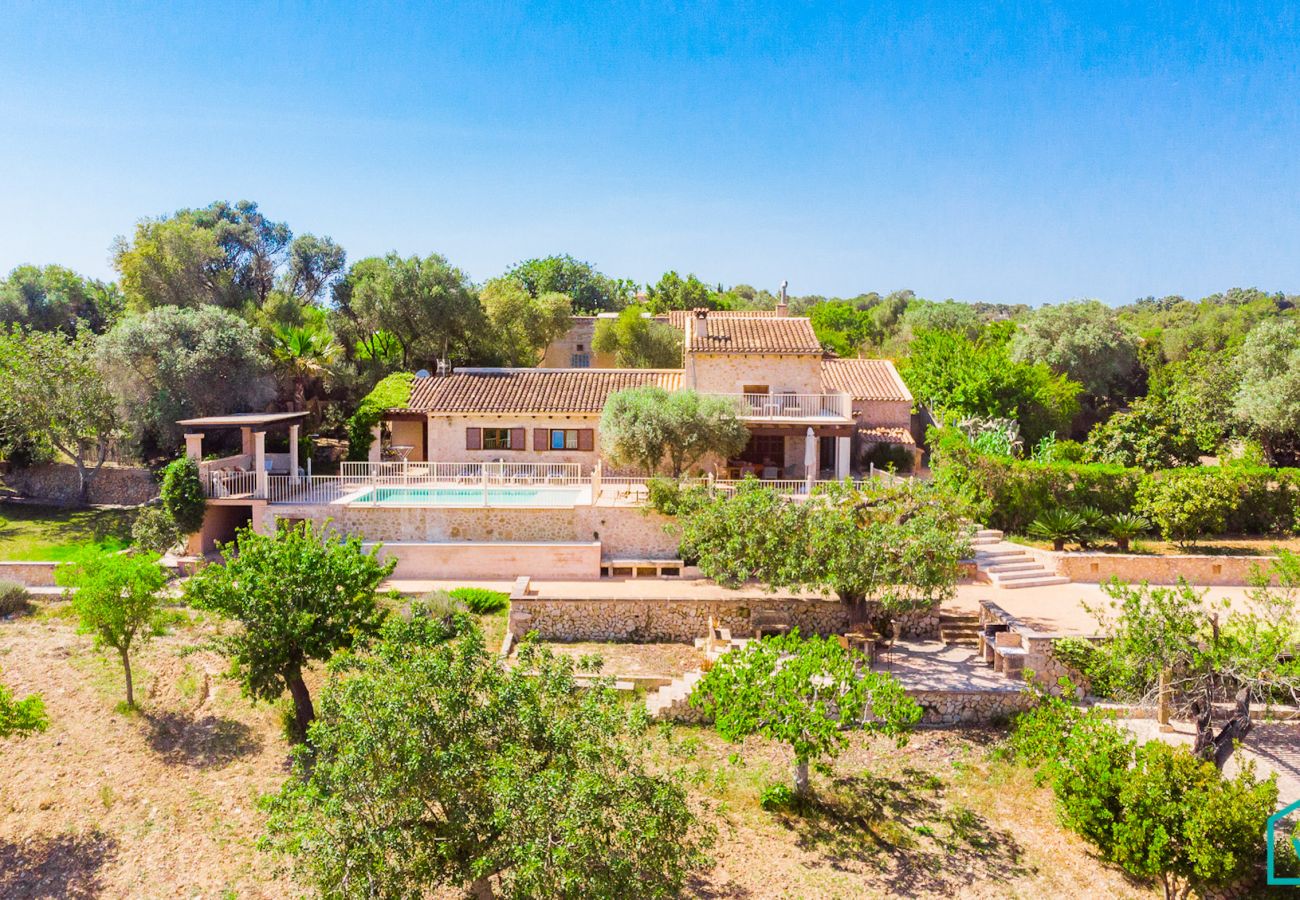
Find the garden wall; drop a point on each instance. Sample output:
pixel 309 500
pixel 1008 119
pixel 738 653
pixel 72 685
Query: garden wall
pixel 56 483
pixel 465 559
pixel 684 620
pixel 624 532
pixel 1201 570
pixel 32 574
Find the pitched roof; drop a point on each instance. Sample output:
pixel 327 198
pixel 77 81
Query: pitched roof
pixel 864 379
pixel 678 317
pixel 881 434
pixel 531 390
pixel 767 334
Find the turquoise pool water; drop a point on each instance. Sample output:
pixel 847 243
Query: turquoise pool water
pixel 469 496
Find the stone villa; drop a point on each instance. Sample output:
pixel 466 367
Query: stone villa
pixel 500 471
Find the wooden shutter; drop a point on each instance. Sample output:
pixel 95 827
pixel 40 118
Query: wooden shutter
pixel 517 439
pixel 473 438
pixel 541 439
pixel 586 439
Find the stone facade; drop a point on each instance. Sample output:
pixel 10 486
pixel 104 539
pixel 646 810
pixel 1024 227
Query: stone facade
pixel 729 373
pixel 464 559
pixel 447 437
pixel 685 620
pixel 1098 568
pixel 577 341
pixel 32 574
pixel 56 483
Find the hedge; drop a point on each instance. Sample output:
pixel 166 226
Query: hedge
pixel 1009 493
pixel 392 392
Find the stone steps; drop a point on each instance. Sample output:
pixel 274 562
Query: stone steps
pixel 1010 566
pixel 959 630
pixel 674 697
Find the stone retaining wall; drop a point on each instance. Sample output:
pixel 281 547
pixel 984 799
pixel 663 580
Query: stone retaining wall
pixel 1040 658
pixel 56 483
pixel 1199 569
pixel 938 708
pixel 624 532
pixel 32 574
pixel 684 620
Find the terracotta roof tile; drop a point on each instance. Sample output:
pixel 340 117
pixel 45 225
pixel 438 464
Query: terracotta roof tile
pixel 864 379
pixel 531 390
pixel 677 317
pixel 769 334
pixel 886 435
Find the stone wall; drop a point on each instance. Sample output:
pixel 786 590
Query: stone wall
pixel 1203 570
pixel 463 559
pixel 624 532
pixel 728 373
pixel 447 438
pixel 56 483
pixel 32 574
pixel 684 620
pixel 1040 647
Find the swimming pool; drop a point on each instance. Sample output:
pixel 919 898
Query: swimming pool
pixel 470 496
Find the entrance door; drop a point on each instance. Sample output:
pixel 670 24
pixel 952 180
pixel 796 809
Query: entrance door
pixel 826 454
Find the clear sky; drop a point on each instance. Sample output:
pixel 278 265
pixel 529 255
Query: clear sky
pixel 1004 152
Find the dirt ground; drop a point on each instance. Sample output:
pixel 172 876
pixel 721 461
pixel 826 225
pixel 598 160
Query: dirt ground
pixel 163 803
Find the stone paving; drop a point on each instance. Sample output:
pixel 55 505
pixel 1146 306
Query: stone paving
pixel 1274 746
pixel 933 666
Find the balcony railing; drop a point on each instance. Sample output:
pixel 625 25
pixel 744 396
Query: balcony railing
pixel 793 407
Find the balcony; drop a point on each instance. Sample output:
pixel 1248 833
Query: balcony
pixel 794 408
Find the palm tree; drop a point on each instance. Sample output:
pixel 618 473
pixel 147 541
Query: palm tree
pixel 1126 526
pixel 1058 526
pixel 304 352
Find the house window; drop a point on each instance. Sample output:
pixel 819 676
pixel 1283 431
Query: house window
pixel 765 450
pixel 755 389
pixel 580 361
pixel 564 439
pixel 496 439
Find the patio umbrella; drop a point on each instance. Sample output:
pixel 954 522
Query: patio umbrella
pixel 810 459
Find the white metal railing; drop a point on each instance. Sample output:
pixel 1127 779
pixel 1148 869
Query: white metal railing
pixel 403 473
pixel 218 483
pixel 792 406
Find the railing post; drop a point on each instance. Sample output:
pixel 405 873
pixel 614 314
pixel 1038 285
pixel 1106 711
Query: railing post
pixel 595 482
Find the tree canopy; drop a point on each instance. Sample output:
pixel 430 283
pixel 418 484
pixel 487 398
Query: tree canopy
pixel 639 341
pixel 171 364
pixel 434 764
pixel 52 298
pixel 804 692
pixel 649 427
pixel 300 595
pixel 523 324
pixel 1086 342
pixel 52 389
pixel 589 291
pixel 1267 400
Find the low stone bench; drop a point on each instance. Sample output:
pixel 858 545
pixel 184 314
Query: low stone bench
pixel 1008 654
pixel 641 568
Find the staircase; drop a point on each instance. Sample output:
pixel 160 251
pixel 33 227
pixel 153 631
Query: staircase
pixel 673 700
pixel 959 629
pixel 1007 565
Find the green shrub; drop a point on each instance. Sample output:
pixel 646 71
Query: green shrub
pixel 154 529
pixel 392 392
pixel 1098 669
pixel 481 601
pixel 1123 527
pixel 777 798
pixel 13 598
pixel 890 457
pixel 1187 504
pixel 1038 735
pixel 182 494
pixel 1089 776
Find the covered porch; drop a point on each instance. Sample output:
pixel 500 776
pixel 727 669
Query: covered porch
pixel 794 452
pixel 244 475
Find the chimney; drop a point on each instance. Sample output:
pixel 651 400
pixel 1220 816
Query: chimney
pixel 701 322
pixel 783 307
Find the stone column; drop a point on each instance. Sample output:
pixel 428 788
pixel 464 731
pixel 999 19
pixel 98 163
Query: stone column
pixel 259 461
pixel 810 459
pixel 375 448
pixel 194 446
pixel 246 441
pixel 842 457
pixel 293 453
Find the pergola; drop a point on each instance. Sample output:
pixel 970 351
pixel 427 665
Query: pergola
pixel 252 429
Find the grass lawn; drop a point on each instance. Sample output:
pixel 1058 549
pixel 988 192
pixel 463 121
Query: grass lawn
pixel 1224 545
pixel 50 533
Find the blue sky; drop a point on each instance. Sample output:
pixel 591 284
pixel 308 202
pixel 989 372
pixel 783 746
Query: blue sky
pixel 1003 152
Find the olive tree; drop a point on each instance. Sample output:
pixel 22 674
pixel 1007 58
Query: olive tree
pixel 649 427
pixel 300 595
pixel 117 598
pixel 52 389
pixel 433 764
pixel 804 692
pixel 897 547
